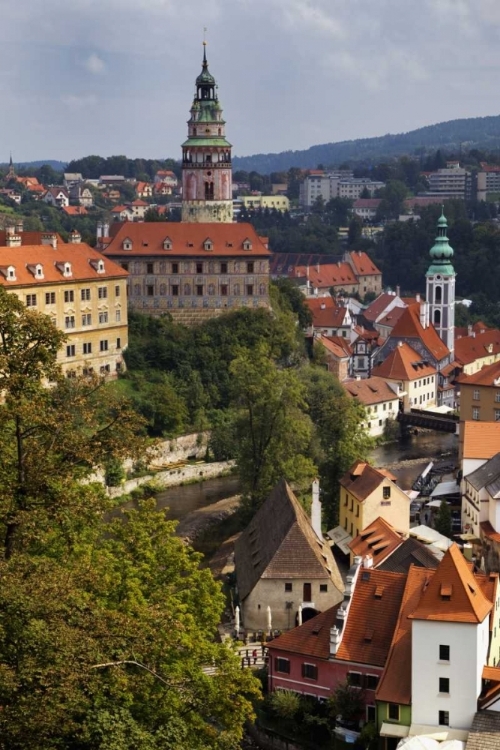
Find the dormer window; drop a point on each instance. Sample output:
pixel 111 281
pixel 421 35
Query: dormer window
pixel 36 270
pixel 127 243
pixel 97 265
pixel 208 244
pixel 247 245
pixel 64 268
pixel 9 272
pixel 167 243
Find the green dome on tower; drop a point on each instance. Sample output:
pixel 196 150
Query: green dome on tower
pixel 441 252
pixel 205 78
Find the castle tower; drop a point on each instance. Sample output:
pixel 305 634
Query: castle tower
pixel 206 157
pixel 11 173
pixel 441 286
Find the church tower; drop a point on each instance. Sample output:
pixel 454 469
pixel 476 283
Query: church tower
pixel 441 286
pixel 206 157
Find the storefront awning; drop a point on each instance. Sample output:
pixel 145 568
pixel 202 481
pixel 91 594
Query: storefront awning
pixel 394 730
pixel 439 733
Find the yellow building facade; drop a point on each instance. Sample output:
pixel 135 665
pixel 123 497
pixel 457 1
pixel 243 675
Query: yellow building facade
pixel 83 293
pixel 256 202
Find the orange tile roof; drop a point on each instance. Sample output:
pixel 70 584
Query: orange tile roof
pixel 362 479
pixel 325 312
pixel 367 203
pixel 366 334
pixel 30 238
pixel 491 673
pixel 363 265
pixel 378 540
pixel 369 391
pixel 327 275
pixel 489 532
pixel 378 306
pixel 79 255
pixel 487 375
pixel 409 327
pixel 453 594
pixel 75 210
pixel 480 439
pixel 359 643
pixel 403 363
pixel 336 345
pixel 395 684
pixel 187 240
pixel 378 593
pixel 470 348
pixel 391 318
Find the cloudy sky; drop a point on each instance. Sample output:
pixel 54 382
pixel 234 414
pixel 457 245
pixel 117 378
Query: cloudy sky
pixel 117 76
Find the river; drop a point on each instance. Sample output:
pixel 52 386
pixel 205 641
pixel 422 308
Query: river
pixel 183 500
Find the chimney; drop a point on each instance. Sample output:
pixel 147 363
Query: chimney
pixel 398 291
pixel 9 230
pixel 323 306
pixel 316 510
pixel 19 226
pixel 417 297
pixel 317 267
pixel 49 238
pixel 105 229
pixel 334 640
pixel 75 237
pixel 424 319
pixel 368 561
pixel 12 239
pixel 99 230
pixel 469 330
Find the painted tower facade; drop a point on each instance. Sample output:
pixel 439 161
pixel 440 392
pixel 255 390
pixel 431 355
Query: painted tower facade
pixel 440 293
pixel 206 157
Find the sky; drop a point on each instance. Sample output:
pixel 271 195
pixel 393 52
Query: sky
pixel 117 76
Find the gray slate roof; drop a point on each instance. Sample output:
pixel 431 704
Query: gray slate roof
pixel 410 552
pixel 485 731
pixel 487 474
pixel 280 543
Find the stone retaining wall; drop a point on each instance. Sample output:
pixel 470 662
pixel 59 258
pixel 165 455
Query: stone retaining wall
pixel 173 477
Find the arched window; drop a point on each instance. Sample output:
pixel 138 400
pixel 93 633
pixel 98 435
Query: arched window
pixel 163 289
pixel 437 317
pixel 438 295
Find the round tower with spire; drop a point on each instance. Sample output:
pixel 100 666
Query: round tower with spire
pixel 206 157
pixel 440 279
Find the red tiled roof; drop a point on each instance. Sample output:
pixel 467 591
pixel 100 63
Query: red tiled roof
pixel 78 254
pixel 367 203
pixel 363 265
pixel 395 684
pixel 478 327
pixel 378 540
pixel 489 532
pixel 325 312
pixel 403 363
pixel 311 639
pixel 470 348
pixel 391 318
pixel 362 479
pixel 327 275
pixel 336 345
pixel 139 202
pixel 366 334
pixel 30 238
pixel 369 391
pixel 75 210
pixel 378 306
pixel 487 375
pixel 453 594
pixel 409 326
pixel 480 439
pixel 187 239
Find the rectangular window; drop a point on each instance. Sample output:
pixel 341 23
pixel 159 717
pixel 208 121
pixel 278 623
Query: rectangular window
pixel 371 681
pixel 31 300
pixel 125 266
pixel 199 290
pixel 323 587
pixel 475 395
pixel 150 268
pixel 199 268
pixel 102 292
pixel 223 290
pixel 70 350
pixel 444 653
pixel 444 685
pixel 444 719
pixel 310 671
pixel 86 319
pixel 282 665
pixel 497 397
pixel 223 267
pixel 175 290
pixel 69 321
pixel 103 345
pixel 497 415
pixel 118 343
pixel 249 267
pixel 150 290
pixel 69 295
pixel 475 413
pixel 87 348
pixel 393 711
pixel 85 295
pixel 288 586
pixel 249 290
pixel 117 291
pixel 386 493
pixel 371 714
pixel 103 317
pixel 50 298
pixel 354 679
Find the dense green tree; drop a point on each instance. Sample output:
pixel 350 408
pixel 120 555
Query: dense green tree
pixel 291 298
pixel 442 520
